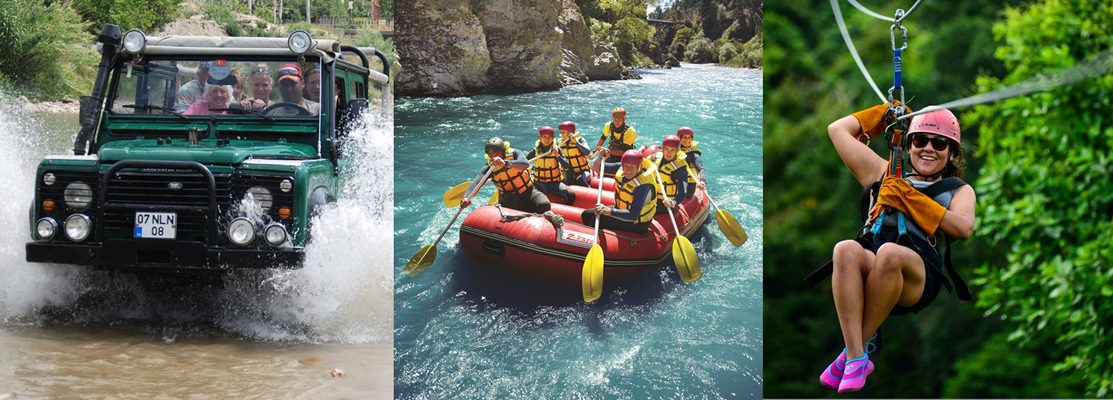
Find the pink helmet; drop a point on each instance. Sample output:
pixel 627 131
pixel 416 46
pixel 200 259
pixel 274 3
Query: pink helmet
pixel 671 141
pixel 940 122
pixel 568 126
pixel 632 157
pixel 546 131
pixel 685 131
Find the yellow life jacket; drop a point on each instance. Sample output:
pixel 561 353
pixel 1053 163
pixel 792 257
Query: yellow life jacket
pixel 691 149
pixel 667 168
pixel 577 159
pixel 547 167
pixel 624 193
pixel 693 175
pixel 622 139
pixel 509 180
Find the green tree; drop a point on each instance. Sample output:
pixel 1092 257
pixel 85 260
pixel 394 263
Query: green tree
pixel 1047 194
pixel 128 14
pixel 45 50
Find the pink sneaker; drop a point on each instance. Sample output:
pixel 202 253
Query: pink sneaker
pixel 832 376
pixel 855 373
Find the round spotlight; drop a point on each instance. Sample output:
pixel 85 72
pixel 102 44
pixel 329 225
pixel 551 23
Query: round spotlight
pixel 286 185
pixel 275 235
pixel 78 195
pixel 300 42
pixel 45 228
pixel 261 196
pixel 241 231
pixel 78 227
pixel 48 179
pixel 134 41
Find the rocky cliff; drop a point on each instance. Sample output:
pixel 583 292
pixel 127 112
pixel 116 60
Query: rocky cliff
pixel 460 47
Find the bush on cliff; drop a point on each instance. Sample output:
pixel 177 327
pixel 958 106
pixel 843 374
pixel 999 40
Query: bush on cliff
pixel 45 50
pixel 128 14
pixel 701 51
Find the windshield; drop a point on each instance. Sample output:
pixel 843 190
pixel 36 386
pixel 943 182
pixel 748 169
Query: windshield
pixel 184 88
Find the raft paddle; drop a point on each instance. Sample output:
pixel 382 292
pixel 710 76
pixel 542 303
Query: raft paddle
pixel 453 196
pixel 592 274
pixel 425 257
pixel 683 254
pixel 730 227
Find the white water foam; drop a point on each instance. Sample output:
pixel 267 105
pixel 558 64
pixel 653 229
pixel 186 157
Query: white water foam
pixel 343 293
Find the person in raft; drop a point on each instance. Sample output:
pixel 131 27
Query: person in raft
pixel 688 145
pixel 634 197
pixel 673 166
pixel 895 269
pixel 621 138
pixel 511 177
pixel 549 166
pixel 574 149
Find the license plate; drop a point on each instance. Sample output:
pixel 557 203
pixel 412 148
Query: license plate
pixel 155 225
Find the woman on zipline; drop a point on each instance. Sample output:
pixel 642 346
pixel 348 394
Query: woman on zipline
pixel 896 268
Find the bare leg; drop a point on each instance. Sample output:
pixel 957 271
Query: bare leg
pixel 850 262
pixel 897 277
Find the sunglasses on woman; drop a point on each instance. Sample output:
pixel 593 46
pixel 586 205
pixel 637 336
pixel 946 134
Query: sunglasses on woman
pixel 938 143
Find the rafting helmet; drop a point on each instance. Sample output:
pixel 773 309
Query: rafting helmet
pixel 617 111
pixel 568 126
pixel 495 145
pixel 632 157
pixel 685 131
pixel 546 131
pixel 671 141
pixel 940 122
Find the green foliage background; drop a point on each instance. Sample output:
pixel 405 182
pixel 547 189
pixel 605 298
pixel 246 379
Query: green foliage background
pixel 1040 166
pixel 45 50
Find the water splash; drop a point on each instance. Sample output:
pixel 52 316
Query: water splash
pixel 343 293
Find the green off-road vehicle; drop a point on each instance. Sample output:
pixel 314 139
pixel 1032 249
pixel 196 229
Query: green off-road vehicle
pixel 203 152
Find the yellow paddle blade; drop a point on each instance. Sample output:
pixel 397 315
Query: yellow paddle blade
pixel 421 261
pixel 494 199
pixel 453 196
pixel 593 274
pixel 730 227
pixel 684 255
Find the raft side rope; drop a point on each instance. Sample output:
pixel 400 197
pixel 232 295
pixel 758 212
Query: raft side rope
pixel 1100 65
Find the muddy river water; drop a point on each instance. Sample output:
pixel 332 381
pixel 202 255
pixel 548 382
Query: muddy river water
pixel 323 331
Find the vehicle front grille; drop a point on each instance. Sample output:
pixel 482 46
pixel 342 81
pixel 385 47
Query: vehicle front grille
pixel 183 191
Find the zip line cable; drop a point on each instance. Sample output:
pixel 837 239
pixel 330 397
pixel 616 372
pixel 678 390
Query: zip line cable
pixel 853 51
pixel 869 12
pixel 1100 65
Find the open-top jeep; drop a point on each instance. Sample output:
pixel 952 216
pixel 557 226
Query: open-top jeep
pixel 176 167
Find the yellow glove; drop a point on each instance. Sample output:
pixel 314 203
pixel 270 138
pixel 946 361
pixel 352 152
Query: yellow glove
pixel 898 194
pixel 873 119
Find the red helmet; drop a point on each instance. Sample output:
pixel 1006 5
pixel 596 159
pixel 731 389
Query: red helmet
pixel 632 157
pixel 619 111
pixel 568 126
pixel 671 141
pixel 546 131
pixel 685 131
pixel 940 122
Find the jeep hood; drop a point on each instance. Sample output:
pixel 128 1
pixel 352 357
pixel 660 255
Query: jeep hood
pixel 207 152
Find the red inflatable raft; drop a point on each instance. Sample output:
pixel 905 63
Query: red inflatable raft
pixel 533 247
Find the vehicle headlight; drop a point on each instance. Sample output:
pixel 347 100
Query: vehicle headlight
pixel 261 196
pixel 241 231
pixel 286 185
pixel 78 227
pixel 275 234
pixel 78 195
pixel 134 41
pixel 45 228
pixel 48 179
pixel 300 42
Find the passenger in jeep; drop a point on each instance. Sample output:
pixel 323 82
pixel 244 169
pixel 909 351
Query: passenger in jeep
pixel 290 85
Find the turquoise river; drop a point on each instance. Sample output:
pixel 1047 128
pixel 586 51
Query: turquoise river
pixel 464 330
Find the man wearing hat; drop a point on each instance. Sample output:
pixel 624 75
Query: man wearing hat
pixel 291 82
pixel 193 89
